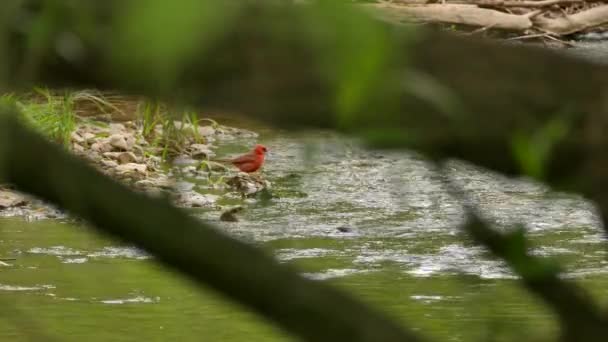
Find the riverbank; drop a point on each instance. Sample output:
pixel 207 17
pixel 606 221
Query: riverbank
pixel 554 22
pixel 147 146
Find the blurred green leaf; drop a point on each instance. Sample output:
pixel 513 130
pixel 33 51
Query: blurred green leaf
pixel 516 254
pixel 430 90
pixel 356 50
pixel 158 37
pixel 533 150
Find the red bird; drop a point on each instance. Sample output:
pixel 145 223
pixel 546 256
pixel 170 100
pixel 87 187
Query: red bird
pixel 251 161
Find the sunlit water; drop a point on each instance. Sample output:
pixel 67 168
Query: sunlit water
pixel 402 251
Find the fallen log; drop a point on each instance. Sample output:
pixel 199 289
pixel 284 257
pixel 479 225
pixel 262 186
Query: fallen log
pixel 473 15
pixel 470 15
pixel 580 21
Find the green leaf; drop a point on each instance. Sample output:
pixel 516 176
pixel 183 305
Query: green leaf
pixel 157 37
pixel 355 50
pixel 533 150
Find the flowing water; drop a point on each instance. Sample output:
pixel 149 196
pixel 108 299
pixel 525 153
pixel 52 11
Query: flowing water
pixel 377 224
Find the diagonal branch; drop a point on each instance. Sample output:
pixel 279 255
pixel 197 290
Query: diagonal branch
pixel 581 319
pixel 235 269
pixel 576 22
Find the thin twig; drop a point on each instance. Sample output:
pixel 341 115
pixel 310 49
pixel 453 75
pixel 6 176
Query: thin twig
pixel 480 30
pixel 534 14
pixel 528 36
pixel 548 36
pixel 530 4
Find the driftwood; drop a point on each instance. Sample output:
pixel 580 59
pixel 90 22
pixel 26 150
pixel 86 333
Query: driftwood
pixel 576 22
pixel 499 3
pixel 479 14
pixel 523 3
pixel 452 14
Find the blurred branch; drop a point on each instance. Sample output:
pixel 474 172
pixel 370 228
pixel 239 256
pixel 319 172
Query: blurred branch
pixel 270 64
pixel 283 65
pixel 311 310
pixel 581 319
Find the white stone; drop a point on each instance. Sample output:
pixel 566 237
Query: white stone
pixel 119 141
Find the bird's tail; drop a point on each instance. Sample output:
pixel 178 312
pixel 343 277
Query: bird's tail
pixel 221 160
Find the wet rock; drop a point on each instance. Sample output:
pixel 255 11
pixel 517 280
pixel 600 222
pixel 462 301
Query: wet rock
pixel 110 164
pixel 161 182
pixel 248 184
pixel 111 155
pixel 93 156
pixel 77 148
pixel 230 214
pixel 122 157
pixel 206 131
pixel 127 157
pixel 132 170
pixel 189 170
pixel 117 128
pixel 88 137
pixel 10 199
pixel 102 146
pixel 154 162
pixel 120 150
pixel 119 141
pixel 77 138
pixel 130 142
pixel 345 229
pixel 131 125
pixel 192 199
pixel 200 151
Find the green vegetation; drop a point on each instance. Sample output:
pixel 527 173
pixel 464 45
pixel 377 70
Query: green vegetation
pixel 319 64
pixel 56 114
pixel 51 115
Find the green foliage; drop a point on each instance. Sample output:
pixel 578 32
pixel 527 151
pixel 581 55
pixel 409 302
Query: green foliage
pixel 8 100
pixel 516 253
pixel 354 50
pixel 533 150
pixel 163 132
pixel 149 116
pixel 53 116
pixel 166 37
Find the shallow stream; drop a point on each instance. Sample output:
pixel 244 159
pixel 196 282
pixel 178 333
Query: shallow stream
pixel 378 224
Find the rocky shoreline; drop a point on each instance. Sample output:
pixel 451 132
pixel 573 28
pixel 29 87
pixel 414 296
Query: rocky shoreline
pixel 129 154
